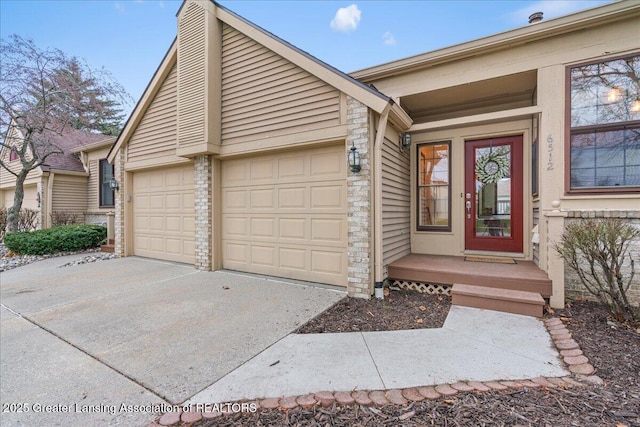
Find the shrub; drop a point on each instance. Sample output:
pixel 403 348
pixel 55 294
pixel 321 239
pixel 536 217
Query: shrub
pixel 3 222
pixel 28 219
pixel 58 239
pixel 59 218
pixel 596 250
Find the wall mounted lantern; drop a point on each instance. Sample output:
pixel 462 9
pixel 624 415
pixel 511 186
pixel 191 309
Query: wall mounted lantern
pixel 405 141
pixel 354 159
pixel 113 184
pixel 38 199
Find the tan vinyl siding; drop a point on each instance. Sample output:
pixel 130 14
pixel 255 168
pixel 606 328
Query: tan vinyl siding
pixel 93 190
pixel 265 95
pixel 191 74
pixel 8 179
pixel 69 194
pixel 156 134
pixel 396 202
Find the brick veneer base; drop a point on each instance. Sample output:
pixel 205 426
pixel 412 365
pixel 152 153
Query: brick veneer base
pixel 577 363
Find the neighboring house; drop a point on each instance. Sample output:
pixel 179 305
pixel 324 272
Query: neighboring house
pixel 71 182
pixel 236 155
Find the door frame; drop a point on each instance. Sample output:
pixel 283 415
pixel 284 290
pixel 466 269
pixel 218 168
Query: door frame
pixel 515 242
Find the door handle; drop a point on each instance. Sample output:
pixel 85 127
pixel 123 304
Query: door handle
pixel 468 206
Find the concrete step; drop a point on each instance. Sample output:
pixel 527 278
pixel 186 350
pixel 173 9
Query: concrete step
pixel 109 247
pixel 506 300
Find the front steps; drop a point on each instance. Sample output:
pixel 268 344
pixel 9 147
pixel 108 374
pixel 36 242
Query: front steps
pixel 505 300
pixel 110 247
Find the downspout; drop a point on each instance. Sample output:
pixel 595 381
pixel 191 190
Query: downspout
pixel 377 199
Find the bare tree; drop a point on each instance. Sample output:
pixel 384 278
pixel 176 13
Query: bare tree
pixel 44 94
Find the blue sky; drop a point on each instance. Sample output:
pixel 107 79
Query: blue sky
pixel 130 37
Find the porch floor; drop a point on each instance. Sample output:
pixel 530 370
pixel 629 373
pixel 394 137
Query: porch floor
pixel 448 270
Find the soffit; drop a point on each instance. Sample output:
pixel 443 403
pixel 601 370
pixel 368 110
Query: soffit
pixel 481 96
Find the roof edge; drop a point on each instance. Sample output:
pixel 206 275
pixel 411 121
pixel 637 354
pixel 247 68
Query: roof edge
pixel 143 103
pixel 310 63
pixel 595 16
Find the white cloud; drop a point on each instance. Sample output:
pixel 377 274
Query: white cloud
pixel 346 19
pixel 389 40
pixel 552 9
pixel 118 6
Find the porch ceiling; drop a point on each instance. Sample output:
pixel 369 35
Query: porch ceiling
pixel 485 96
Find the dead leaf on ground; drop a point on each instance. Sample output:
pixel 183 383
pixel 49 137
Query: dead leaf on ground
pixel 386 292
pixel 225 287
pixel 407 415
pixel 422 308
pixel 419 321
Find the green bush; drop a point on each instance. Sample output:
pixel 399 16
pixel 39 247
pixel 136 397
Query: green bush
pixel 58 239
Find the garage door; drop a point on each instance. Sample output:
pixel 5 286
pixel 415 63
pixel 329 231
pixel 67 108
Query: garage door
pixel 164 214
pixel 285 215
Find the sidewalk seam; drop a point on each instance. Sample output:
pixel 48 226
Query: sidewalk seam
pixel 373 359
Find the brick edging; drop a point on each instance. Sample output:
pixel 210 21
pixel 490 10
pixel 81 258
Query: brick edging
pixel 579 366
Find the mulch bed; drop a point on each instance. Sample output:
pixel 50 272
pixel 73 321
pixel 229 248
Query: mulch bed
pixel 613 349
pixel 399 309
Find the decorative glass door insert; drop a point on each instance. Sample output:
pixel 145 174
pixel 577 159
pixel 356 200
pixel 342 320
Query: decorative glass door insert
pixel 493 194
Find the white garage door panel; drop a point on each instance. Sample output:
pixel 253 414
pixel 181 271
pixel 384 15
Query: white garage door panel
pixel 164 214
pixel 285 215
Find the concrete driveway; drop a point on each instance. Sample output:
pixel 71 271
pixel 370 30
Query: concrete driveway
pixel 87 339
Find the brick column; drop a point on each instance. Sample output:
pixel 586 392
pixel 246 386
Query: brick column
pixel 203 206
pixel 120 200
pixel 359 252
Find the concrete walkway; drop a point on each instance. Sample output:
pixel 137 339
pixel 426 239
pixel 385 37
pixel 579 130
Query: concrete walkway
pixel 473 345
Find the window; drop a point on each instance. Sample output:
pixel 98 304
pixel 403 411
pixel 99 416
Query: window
pixel 106 192
pixel 13 154
pixel 604 145
pixel 434 191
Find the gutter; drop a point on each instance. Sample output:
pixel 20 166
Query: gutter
pixel 377 205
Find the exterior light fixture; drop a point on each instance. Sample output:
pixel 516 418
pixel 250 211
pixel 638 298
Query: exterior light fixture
pixel 38 198
pixel 405 141
pixel 113 184
pixel 354 159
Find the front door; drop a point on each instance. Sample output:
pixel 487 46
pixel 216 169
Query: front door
pixel 493 194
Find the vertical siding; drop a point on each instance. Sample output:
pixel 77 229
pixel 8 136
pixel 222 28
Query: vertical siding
pixel 265 95
pixel 156 134
pixel 191 75
pixel 69 194
pixel 396 202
